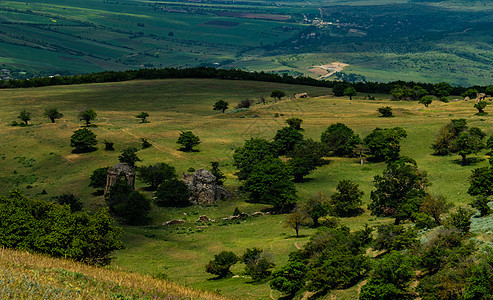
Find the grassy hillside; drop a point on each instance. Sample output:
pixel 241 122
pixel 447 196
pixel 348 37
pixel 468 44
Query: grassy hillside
pixel 38 157
pixel 32 276
pixel 382 40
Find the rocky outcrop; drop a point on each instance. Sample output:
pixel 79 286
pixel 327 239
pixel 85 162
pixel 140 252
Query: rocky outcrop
pixel 173 222
pixel 121 169
pixel 203 187
pixel 480 97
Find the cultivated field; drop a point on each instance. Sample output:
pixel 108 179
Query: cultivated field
pixel 382 40
pixel 38 157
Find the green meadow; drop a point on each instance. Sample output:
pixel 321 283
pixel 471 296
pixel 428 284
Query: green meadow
pixel 38 158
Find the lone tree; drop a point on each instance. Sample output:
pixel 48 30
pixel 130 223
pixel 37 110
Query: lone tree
pixel 383 144
pixel 270 183
pixel 88 115
pixel 295 123
pixel 468 142
pixel 305 157
pixel 25 116
pixel 426 100
pixel 399 190
pixel 296 219
pixel 129 156
pixel 83 140
pixel 143 117
pixel 348 199
pixel 277 94
pixel 350 92
pixel 52 114
pixel 188 140
pixel 447 135
pixel 316 207
pixel 221 263
pixel 221 105
pixel 340 139
pixel 385 111
pixel 480 106
pixel 257 264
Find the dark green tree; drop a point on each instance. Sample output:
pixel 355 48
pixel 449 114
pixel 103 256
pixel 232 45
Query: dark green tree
pixel 442 89
pixel 481 204
pixel 25 116
pixel 173 193
pixel 188 141
pixel 257 264
pixel 295 123
pixel 108 146
pixel 468 142
pixel 399 191
pixel 286 139
pixel 277 94
pixel 71 200
pixel 220 178
pixel 83 140
pixel 221 105
pixel 252 153
pixel 471 93
pixel 426 100
pixel 339 88
pixel 129 156
pixel 316 207
pixel 418 92
pixel 221 264
pixel 481 182
pixel 383 144
pixel 350 92
pixel 347 200
pixel 447 135
pixel 340 139
pixel 53 114
pixel 385 111
pixel 143 117
pixel 305 157
pixel 145 143
pixel 154 175
pixel 290 278
pixel 270 183
pixel 98 179
pixel 480 106
pixel 88 115
pixel 390 278
pixel 392 237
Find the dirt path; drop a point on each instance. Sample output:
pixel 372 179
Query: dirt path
pixel 296 245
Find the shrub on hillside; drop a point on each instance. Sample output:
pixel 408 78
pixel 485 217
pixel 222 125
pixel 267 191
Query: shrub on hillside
pixel 50 228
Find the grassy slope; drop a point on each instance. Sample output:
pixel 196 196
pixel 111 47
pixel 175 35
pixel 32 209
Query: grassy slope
pixel 38 157
pixel 30 276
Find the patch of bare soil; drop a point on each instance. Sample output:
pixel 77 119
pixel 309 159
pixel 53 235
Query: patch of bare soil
pixel 324 71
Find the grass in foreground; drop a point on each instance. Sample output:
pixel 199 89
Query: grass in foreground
pixel 30 276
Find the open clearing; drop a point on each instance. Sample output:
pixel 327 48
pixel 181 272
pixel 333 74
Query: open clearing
pixel 325 71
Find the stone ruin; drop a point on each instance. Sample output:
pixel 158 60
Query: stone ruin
pixel 203 187
pixel 121 169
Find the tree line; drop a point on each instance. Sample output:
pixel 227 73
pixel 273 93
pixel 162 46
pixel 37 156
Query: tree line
pixel 235 74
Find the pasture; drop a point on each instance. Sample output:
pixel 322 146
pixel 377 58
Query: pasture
pixel 38 158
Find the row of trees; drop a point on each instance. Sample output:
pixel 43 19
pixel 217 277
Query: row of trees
pixel 439 89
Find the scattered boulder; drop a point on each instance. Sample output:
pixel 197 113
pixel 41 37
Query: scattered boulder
pixel 467 99
pixel 203 187
pixel 301 95
pixel 204 219
pixel 173 222
pixel 257 214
